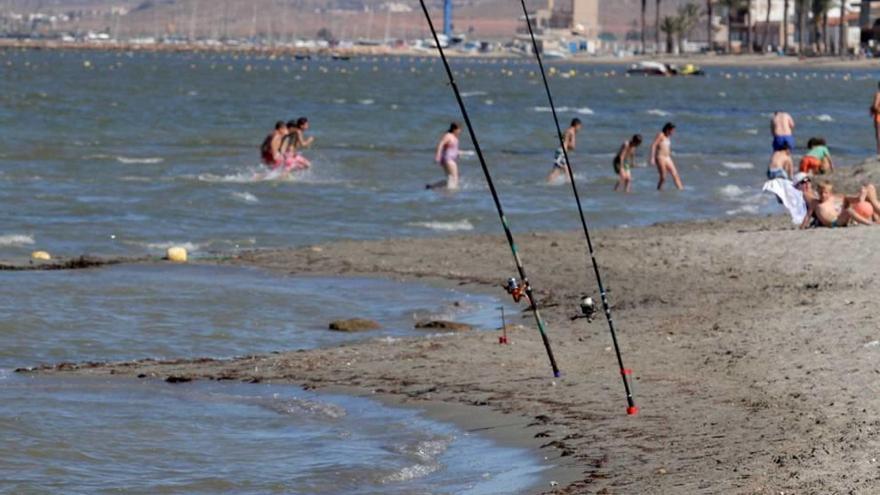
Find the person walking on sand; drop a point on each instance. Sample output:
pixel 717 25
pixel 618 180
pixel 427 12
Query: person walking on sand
pixel 661 156
pixel 782 128
pixel 875 113
pixel 781 165
pixel 447 157
pixel 569 141
pixel 624 162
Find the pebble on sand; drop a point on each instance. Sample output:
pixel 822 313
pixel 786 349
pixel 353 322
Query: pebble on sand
pixel 451 326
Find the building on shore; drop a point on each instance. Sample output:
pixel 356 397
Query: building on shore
pixel 765 26
pixel 565 27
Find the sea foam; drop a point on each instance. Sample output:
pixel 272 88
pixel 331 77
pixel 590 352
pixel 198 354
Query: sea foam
pixel 16 240
pixel 445 226
pixel 738 165
pixel 145 161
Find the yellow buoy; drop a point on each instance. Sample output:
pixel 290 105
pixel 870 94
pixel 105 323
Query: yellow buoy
pixel 176 254
pixel 41 255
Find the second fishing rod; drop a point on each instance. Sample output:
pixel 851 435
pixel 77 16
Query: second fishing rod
pixel 625 373
pixel 524 289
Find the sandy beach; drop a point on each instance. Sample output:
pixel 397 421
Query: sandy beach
pixel 754 349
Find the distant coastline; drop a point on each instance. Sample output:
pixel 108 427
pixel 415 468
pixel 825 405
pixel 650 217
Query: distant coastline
pixel 709 60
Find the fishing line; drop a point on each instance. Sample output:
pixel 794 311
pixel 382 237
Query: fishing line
pixel 625 373
pixel 516 290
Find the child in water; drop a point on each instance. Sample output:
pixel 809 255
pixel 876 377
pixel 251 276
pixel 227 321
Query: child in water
pixel 624 162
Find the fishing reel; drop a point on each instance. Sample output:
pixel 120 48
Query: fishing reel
pixel 588 309
pixel 514 289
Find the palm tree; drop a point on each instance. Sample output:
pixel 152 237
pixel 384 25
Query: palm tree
pixel 644 10
pixel 657 27
pixel 709 30
pixel 785 27
pixel 767 26
pixel 670 26
pixel 820 20
pixel 732 7
pixel 748 26
pixel 802 6
pixel 841 45
pixel 688 16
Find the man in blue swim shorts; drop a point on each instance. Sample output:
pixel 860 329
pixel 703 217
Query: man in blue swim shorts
pixel 782 127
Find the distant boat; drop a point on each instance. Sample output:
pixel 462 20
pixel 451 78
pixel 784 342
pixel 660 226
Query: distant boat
pixel 650 68
pixel 554 55
pixel 341 57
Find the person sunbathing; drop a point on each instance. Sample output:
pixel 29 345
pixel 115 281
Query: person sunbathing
pixel 836 210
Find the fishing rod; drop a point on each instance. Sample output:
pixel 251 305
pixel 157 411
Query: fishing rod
pixel 524 289
pixel 625 373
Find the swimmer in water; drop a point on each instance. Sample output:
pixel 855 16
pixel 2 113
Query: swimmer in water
pixel 301 141
pixel 293 142
pixel 661 156
pixel 782 128
pixel 447 157
pixel 569 141
pixel 624 162
pixel 270 150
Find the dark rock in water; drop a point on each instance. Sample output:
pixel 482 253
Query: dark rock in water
pixel 451 326
pixel 354 325
pixel 178 379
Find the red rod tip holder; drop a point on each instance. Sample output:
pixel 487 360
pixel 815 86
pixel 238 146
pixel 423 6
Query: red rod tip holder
pixel 632 410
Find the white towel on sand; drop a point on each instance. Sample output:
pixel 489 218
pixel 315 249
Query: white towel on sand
pixel 791 198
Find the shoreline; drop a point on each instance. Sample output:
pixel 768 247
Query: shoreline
pixel 752 344
pixel 736 373
pixel 705 60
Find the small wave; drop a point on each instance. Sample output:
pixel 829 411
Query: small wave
pixel 147 161
pixel 367 101
pixel 748 209
pixel 16 240
pixel 468 94
pixel 410 473
pixel 731 191
pixel 658 112
pixel 427 450
pixel 247 177
pixel 445 226
pixel 548 109
pixel 299 407
pixel 824 118
pixel 581 110
pixel 753 132
pixel 246 197
pixel 738 165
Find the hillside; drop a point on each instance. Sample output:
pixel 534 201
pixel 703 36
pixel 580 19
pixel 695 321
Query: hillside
pixel 288 19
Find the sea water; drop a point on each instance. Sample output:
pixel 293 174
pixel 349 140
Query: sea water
pixel 132 152
pixel 99 435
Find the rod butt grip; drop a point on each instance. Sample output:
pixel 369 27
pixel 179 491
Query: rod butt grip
pixel 632 410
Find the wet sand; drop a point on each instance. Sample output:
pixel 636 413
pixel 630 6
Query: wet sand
pixel 755 351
